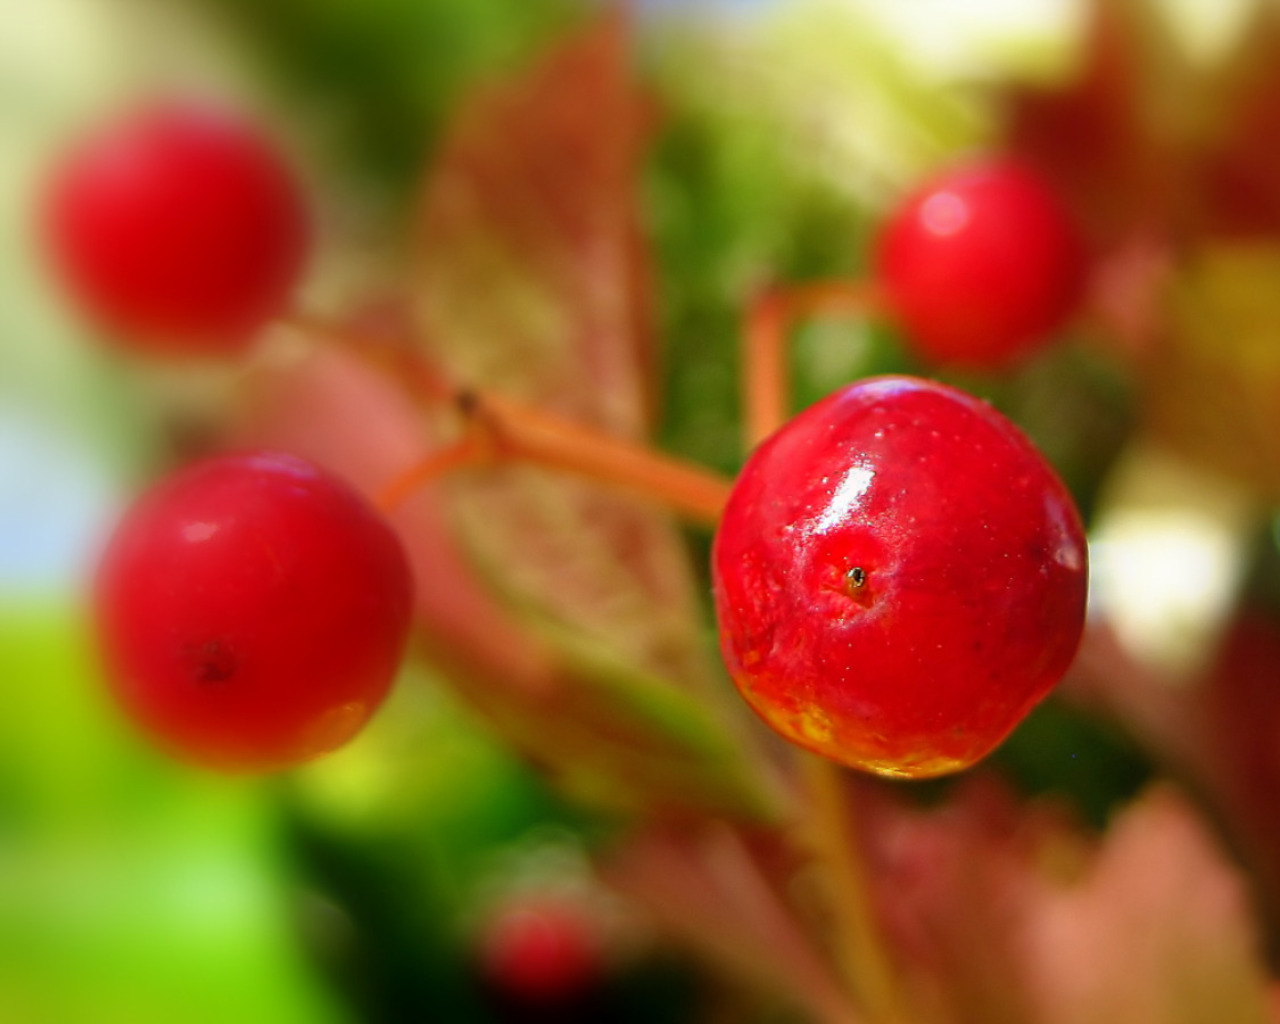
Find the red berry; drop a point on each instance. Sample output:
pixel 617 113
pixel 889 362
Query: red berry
pixel 541 953
pixel 981 265
pixel 899 577
pixel 253 611
pixel 180 228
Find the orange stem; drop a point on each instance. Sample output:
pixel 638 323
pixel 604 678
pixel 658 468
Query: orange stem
pixel 469 450
pixel 499 429
pixel 766 399
pixel 531 435
pixel 397 356
pixel 859 949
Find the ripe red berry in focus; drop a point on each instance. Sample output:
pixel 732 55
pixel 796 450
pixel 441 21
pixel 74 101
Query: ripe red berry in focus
pixel 541 953
pixel 180 229
pixel 899 577
pixel 981 265
pixel 253 611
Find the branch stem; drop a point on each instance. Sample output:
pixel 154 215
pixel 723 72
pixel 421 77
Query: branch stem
pixel 526 434
pixel 770 318
pixel 858 947
pixel 498 429
pixel 468 450
pixel 859 950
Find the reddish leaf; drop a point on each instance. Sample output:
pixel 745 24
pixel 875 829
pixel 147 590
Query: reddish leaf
pixel 1220 731
pixel 530 280
pixel 530 275
pixel 951 886
pixel 1157 930
pixel 1144 140
pixel 725 894
pixel 1001 913
pixel 991 910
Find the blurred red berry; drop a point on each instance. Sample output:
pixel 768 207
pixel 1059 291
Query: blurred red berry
pixel 253 611
pixel 541 952
pixel 179 228
pixel 899 577
pixel 981 265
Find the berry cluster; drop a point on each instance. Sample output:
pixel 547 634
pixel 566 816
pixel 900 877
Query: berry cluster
pixel 899 575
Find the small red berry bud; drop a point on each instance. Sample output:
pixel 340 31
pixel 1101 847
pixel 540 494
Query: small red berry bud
pixel 541 953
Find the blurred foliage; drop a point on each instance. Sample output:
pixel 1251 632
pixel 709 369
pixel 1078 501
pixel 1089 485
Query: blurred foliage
pixel 387 73
pixel 130 891
pixel 396 837
pixel 730 213
pixel 1062 753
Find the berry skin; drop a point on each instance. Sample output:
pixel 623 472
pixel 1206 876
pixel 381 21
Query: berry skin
pixel 252 611
pixel 541 953
pixel 180 230
pixel 981 266
pixel 899 577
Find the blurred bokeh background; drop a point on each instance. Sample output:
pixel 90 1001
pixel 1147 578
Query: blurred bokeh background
pixel 371 885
